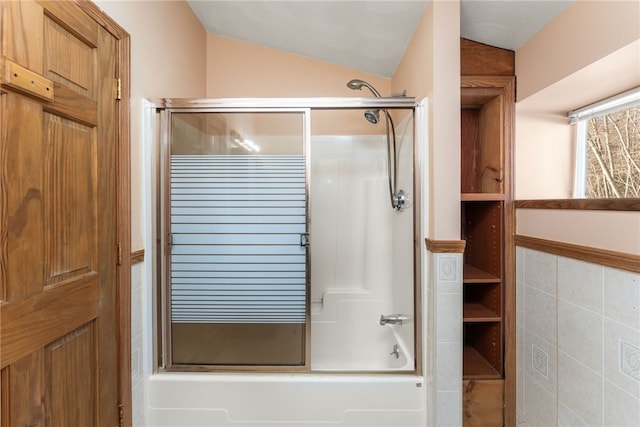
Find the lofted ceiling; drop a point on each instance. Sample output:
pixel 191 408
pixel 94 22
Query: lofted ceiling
pixel 369 36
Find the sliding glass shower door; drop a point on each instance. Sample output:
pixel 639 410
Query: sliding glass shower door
pixel 237 279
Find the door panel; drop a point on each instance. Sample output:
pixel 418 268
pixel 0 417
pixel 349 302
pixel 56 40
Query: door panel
pixel 22 197
pixel 68 179
pixel 24 402
pixel 58 318
pixel 70 367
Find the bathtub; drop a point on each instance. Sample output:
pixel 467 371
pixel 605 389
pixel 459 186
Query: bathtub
pixel 346 336
pixel 253 400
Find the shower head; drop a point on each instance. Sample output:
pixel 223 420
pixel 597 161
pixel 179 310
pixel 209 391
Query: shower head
pixel 356 84
pixel 372 116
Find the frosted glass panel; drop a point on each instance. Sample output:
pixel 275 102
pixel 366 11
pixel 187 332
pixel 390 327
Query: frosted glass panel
pixel 244 276
pixel 238 214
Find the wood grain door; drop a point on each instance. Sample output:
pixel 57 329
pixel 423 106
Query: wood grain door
pixel 58 147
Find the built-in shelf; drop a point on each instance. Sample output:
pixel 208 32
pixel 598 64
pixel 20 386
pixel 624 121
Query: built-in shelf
pixel 481 197
pixel 476 367
pixel 476 312
pixel 472 274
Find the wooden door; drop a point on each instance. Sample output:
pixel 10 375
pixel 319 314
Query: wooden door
pixel 58 147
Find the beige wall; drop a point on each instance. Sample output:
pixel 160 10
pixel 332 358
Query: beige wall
pixel 431 68
pixel 616 231
pixel 237 69
pixel 585 32
pixel 558 72
pixel 168 48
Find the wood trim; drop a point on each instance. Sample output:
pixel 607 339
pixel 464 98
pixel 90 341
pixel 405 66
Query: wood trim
pixel 613 259
pixel 123 67
pixel 581 204
pixel 486 83
pixel 137 256
pixel 478 58
pixel 445 246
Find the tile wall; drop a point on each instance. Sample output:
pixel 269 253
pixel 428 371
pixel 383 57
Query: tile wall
pixel 578 343
pixel 137 356
pixel 444 339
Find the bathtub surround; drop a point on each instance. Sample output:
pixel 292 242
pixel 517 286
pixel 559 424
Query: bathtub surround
pixel 362 260
pixel 356 276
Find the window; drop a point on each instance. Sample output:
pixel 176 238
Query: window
pixel 608 148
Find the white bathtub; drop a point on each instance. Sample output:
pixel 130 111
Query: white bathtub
pixel 274 400
pixel 348 337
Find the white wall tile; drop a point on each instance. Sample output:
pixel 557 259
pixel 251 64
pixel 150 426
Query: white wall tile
pixel 520 264
pixel 449 327
pixel 540 314
pixel 580 283
pixel 622 296
pixel 449 409
pixel 520 348
pixel 448 273
pixel 541 271
pixel 136 313
pixel 138 404
pixel 586 312
pixel 520 390
pixel 614 332
pixel 580 389
pixel 620 408
pixel 520 303
pixel 521 420
pixel 138 396
pixel 541 407
pixel 541 362
pixel 580 334
pixel 447 354
pixel 449 367
pixel 567 418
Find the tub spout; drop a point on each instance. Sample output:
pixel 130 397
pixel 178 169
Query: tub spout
pixel 392 319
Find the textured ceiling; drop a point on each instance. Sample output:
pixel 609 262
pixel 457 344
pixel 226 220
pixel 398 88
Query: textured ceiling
pixel 369 36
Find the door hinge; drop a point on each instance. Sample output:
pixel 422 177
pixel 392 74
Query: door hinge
pixel 119 254
pixel 120 415
pixel 118 89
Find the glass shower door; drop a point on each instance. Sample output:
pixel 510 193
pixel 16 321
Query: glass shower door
pixel 237 280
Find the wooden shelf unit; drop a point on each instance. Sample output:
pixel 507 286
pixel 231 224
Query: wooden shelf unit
pixel 486 118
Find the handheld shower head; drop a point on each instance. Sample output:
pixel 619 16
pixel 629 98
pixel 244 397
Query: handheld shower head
pixel 372 116
pixel 357 84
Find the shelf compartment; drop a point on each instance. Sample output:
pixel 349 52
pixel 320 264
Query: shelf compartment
pixel 476 312
pixel 482 226
pixel 472 274
pixel 475 366
pixel 482 350
pixel 488 297
pixel 482 152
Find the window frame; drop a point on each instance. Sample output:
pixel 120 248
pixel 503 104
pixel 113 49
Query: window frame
pixel 580 118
